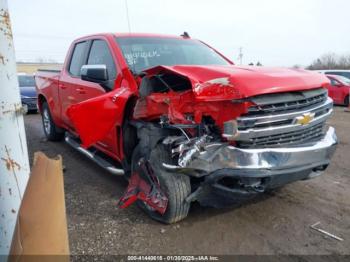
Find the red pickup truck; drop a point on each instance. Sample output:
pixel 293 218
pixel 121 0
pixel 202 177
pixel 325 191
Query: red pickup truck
pixel 182 123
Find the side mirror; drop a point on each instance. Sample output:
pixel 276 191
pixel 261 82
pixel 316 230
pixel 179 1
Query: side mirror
pixel 94 73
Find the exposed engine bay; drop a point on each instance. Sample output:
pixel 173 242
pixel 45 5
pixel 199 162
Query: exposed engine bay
pixel 221 145
pixel 226 145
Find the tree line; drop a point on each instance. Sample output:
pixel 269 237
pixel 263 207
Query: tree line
pixel 330 61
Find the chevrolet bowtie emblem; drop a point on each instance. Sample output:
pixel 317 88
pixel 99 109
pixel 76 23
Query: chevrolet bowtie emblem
pixel 305 118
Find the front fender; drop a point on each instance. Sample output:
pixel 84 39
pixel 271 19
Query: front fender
pixel 95 117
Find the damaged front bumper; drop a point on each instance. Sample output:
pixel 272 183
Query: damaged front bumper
pixel 231 171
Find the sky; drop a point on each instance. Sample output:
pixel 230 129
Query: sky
pixel 274 32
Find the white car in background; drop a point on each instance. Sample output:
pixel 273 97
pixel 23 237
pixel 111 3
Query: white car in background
pixel 345 73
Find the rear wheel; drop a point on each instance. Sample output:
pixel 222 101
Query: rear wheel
pixel 52 132
pixel 175 186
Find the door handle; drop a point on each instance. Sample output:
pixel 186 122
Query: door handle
pixel 62 86
pixel 71 98
pixel 81 90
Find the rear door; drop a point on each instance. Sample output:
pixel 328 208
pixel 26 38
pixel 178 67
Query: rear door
pixel 70 83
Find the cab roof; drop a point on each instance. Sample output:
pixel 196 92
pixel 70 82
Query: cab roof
pixel 146 35
pixel 122 35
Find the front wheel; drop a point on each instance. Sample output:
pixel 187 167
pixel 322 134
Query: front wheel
pixel 52 132
pixel 175 186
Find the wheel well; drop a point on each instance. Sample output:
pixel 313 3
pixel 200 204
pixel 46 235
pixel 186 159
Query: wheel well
pixel 41 100
pixel 346 99
pixel 129 132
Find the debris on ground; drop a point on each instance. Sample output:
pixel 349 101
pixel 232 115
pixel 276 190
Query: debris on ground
pixel 325 232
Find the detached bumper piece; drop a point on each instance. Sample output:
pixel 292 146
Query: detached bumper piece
pixel 229 171
pixel 145 188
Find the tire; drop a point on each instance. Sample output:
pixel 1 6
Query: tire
pixel 130 142
pixel 35 111
pixel 175 186
pixel 52 132
pixel 346 101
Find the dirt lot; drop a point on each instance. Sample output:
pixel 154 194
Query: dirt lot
pixel 276 223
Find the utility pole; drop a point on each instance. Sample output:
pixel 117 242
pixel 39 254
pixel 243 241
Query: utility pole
pixel 240 56
pixel 14 164
pixel 127 15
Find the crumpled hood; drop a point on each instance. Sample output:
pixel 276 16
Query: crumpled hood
pixel 235 82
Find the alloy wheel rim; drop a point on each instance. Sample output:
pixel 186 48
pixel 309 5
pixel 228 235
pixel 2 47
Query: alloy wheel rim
pixel 46 120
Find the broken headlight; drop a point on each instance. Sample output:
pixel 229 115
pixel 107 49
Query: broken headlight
pixel 230 131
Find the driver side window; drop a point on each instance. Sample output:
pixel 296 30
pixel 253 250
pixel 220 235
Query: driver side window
pixel 101 55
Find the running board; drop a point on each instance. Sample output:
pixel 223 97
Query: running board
pixel 97 159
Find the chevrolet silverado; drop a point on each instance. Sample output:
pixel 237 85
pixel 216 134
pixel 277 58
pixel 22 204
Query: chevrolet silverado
pixel 182 123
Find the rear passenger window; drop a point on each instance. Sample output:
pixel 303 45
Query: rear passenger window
pixel 77 59
pixel 100 55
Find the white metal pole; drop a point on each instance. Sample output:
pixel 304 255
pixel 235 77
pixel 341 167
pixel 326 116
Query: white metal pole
pixel 14 164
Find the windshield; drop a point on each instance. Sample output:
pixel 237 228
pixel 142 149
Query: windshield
pixel 144 52
pixel 26 81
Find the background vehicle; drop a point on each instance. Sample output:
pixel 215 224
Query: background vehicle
pixel 28 92
pixel 345 73
pixel 339 89
pixel 183 123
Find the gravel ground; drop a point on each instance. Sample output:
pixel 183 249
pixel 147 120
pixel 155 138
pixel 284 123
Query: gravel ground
pixel 275 223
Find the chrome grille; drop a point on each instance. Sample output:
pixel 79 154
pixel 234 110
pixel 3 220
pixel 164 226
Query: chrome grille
pixel 31 102
pixel 301 137
pixel 286 102
pixel 273 121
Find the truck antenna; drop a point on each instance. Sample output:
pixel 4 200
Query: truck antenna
pixel 127 15
pixel 240 56
pixel 185 35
